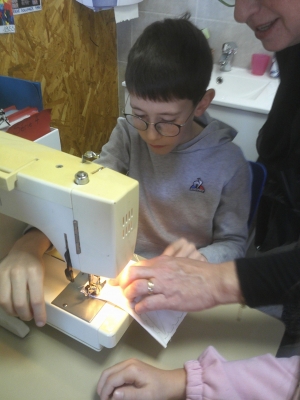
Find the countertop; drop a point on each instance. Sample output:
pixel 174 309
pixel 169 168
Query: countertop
pixel 49 365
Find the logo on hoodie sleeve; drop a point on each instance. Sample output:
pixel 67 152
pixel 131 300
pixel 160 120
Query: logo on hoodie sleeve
pixel 197 186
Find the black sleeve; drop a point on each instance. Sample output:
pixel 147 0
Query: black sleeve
pixel 267 280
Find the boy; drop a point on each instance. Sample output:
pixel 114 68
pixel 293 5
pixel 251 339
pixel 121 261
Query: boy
pixel 194 182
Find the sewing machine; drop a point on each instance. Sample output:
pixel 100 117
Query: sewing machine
pixel 90 215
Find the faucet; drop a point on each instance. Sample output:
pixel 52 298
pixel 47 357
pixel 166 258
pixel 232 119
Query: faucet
pixel 229 49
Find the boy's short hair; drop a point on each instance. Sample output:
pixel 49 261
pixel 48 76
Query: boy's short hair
pixel 170 60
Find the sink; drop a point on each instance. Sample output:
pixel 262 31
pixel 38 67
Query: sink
pixel 243 101
pixel 240 89
pixel 238 86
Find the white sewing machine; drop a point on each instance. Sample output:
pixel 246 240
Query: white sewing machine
pixel 89 213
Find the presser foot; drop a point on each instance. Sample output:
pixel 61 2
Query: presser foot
pixel 93 288
pixel 72 300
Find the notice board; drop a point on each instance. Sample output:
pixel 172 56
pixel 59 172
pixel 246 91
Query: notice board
pixel 72 51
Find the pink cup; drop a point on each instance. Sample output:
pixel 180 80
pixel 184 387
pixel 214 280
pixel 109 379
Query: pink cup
pixel 259 63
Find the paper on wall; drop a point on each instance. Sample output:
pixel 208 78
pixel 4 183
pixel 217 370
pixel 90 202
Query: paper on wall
pixel 126 13
pixel 25 6
pixel 7 22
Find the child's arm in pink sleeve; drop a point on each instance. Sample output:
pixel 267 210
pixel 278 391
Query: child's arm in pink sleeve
pixel 264 377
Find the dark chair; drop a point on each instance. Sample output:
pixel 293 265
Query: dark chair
pixel 259 175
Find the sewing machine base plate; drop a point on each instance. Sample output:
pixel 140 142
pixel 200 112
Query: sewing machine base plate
pixel 75 302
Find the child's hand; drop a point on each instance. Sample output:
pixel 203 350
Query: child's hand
pixel 183 248
pixel 21 278
pixel 135 380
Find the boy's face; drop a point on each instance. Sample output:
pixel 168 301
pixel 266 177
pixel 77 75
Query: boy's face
pixel 176 111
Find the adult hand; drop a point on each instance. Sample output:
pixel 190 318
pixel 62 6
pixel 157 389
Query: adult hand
pixel 183 248
pixel 180 284
pixel 21 278
pixel 135 380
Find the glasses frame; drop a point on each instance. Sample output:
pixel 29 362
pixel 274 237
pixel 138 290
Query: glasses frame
pixel 225 4
pixel 179 126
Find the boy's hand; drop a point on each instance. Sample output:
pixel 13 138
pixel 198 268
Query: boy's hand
pixel 183 248
pixel 135 380
pixel 21 278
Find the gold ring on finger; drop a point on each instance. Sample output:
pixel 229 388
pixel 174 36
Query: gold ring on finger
pixel 150 285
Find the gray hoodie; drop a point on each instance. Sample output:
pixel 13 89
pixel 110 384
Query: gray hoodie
pixel 200 191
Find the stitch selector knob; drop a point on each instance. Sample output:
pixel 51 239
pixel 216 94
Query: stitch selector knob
pixel 81 178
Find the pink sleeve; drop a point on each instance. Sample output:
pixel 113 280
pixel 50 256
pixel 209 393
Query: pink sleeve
pixel 211 377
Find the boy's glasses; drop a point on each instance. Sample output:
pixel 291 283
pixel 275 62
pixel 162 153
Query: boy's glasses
pixel 228 3
pixel 163 128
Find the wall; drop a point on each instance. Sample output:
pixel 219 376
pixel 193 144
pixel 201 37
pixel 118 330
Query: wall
pixel 209 14
pixel 72 51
